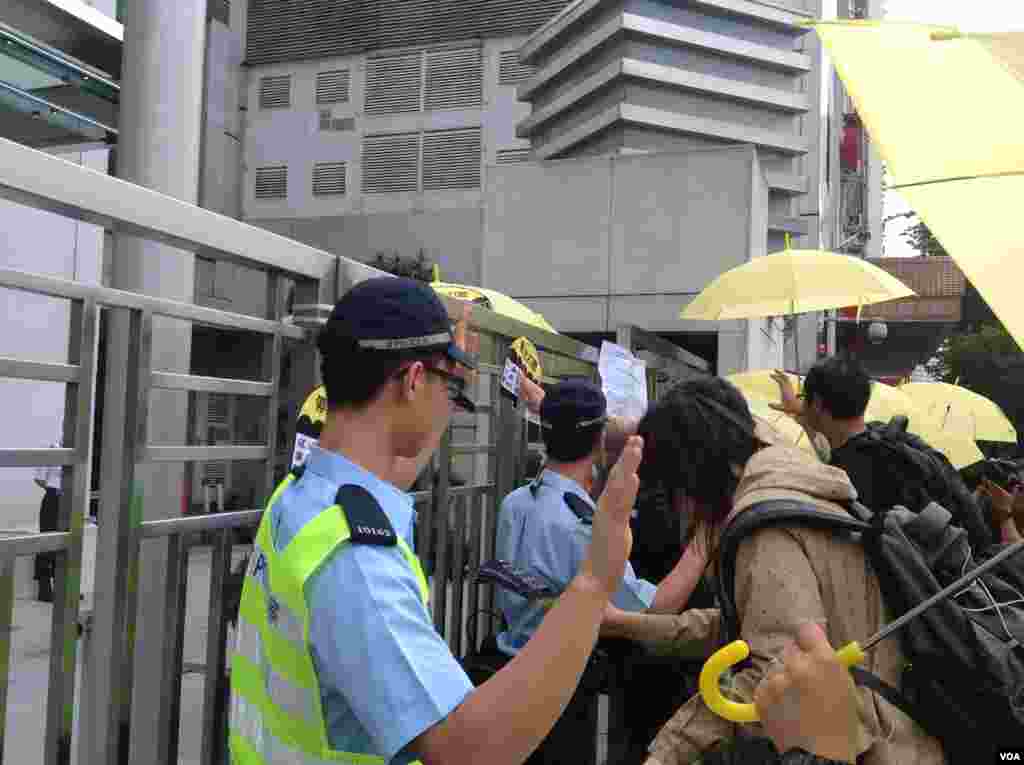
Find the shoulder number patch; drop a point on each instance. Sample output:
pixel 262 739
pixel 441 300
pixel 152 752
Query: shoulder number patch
pixel 366 518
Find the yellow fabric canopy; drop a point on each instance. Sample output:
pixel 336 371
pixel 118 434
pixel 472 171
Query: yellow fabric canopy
pixel 945 111
pixel 794 282
pixel 494 301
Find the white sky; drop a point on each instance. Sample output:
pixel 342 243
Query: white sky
pixel 968 15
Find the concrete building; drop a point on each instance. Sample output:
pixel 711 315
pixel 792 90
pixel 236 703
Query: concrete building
pixel 380 135
pixel 405 125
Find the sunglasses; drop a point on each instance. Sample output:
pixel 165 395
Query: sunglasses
pixel 455 384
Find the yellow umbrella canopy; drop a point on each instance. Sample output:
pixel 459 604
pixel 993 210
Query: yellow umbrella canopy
pixel 494 301
pixel 886 402
pixel 945 111
pixel 957 409
pixel 794 282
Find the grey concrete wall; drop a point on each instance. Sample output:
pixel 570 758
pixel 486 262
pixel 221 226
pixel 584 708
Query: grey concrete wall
pixel 630 240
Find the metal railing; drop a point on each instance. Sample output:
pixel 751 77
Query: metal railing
pixel 456 525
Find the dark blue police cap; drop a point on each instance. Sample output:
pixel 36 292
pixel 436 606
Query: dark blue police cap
pixel 399 316
pixel 573 405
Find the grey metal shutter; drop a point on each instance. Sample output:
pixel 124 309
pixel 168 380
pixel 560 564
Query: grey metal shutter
pixel 329 179
pixel 272 182
pixel 276 92
pixel 455 79
pixel 510 71
pixel 391 163
pixel 512 156
pixel 394 84
pixel 333 87
pixel 451 159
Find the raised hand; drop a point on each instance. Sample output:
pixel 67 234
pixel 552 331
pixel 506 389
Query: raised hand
pixel 791 403
pixel 612 539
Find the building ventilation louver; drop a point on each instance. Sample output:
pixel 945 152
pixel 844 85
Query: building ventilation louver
pixel 391 163
pixel 333 87
pixel 454 79
pixel 276 92
pixel 329 179
pixel 394 84
pixel 451 159
pixel 510 71
pixel 272 182
pixel 309 30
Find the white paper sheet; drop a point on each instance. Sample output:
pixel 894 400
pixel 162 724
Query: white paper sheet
pixel 624 381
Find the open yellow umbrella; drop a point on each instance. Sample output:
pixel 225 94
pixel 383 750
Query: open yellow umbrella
pixel 494 301
pixel 793 282
pixel 945 111
pixel 958 409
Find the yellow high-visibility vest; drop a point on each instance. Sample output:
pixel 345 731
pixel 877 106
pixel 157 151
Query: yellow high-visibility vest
pixel 276 715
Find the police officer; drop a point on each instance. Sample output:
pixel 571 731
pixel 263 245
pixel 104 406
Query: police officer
pixel 336 657
pixel 545 527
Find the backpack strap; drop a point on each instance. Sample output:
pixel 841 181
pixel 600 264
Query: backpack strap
pixel 762 515
pixel 778 512
pixel 579 508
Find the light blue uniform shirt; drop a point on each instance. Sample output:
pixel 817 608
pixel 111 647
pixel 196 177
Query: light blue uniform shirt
pixel 544 536
pixel 385 674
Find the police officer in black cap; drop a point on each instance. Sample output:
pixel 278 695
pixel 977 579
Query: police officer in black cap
pixel 334 616
pixel 546 527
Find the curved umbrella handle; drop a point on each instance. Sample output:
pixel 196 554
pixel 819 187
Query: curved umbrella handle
pixel 732 654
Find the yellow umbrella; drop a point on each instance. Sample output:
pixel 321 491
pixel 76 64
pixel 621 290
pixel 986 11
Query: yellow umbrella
pixel 958 409
pixel 494 301
pixel 793 282
pixel 945 111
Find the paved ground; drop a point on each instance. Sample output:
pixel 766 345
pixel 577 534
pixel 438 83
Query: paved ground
pixel 30 655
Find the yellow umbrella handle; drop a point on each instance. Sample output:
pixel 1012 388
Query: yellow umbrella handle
pixel 732 654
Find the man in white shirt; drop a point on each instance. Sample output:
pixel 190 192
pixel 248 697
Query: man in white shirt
pixel 48 479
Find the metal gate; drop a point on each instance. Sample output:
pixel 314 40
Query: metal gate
pixel 457 523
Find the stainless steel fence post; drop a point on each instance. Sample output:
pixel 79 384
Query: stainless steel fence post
pixel 6 624
pixel 214 685
pixel 78 410
pixel 111 663
pixel 176 588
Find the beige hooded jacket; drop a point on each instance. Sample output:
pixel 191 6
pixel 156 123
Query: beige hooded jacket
pixel 784 577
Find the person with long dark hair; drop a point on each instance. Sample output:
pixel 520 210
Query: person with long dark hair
pixel 702 445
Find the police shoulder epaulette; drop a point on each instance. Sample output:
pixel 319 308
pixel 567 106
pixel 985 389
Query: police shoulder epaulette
pixel 579 508
pixel 367 521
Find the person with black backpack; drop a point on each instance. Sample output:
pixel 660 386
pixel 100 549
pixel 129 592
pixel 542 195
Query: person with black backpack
pixel 888 466
pixel 706 451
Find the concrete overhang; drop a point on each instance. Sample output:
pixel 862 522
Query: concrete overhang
pixel 49 98
pixel 671 77
pixel 71 26
pixel 660 119
pixel 628 24
pixel 580 10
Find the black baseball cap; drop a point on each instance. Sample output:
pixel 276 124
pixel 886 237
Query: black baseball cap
pixel 400 317
pixel 573 405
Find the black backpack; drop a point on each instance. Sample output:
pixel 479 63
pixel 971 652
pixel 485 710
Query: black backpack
pixel 964 682
pixel 926 475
